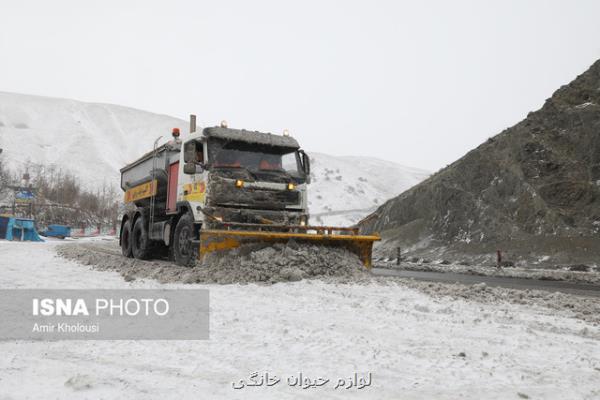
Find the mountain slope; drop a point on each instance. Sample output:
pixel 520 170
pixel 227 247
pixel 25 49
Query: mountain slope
pixel 532 190
pixel 91 140
pixel 94 140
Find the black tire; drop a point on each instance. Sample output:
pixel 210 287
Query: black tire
pixel 182 248
pixel 126 239
pixel 140 243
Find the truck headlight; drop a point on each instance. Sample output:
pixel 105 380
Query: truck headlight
pixel 239 183
pixel 291 186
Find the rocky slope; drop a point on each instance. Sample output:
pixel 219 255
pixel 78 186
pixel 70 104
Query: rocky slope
pixel 532 191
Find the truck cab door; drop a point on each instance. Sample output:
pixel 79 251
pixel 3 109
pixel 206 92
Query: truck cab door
pixel 193 176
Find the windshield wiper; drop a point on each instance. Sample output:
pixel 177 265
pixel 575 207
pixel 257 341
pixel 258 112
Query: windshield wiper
pixel 276 171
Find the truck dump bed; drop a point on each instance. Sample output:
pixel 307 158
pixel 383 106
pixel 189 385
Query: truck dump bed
pixel 140 171
pixel 149 175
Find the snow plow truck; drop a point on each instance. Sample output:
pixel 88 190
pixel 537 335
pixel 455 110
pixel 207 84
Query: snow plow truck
pixel 218 189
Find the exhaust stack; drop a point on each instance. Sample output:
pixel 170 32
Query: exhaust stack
pixel 192 123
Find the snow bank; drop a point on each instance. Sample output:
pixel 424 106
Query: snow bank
pixel 590 275
pixel 279 263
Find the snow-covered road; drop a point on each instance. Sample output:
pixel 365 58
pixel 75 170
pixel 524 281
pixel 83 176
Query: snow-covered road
pixel 415 346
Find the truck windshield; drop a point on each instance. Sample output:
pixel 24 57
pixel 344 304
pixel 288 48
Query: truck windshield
pixel 256 158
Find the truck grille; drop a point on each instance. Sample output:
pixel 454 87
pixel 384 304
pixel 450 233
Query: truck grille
pixel 256 198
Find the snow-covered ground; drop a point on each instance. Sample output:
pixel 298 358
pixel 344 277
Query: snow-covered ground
pixel 415 346
pixel 93 141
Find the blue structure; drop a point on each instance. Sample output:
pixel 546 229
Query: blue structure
pixel 15 228
pixel 57 231
pixel 24 195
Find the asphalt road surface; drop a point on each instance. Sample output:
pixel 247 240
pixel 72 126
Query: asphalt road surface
pixel 501 281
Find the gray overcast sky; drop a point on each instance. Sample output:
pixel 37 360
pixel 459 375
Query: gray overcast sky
pixel 419 82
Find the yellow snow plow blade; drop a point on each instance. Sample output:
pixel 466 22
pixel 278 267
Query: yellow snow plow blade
pixel 213 240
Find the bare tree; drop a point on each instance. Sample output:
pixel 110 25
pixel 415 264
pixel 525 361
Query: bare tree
pixel 4 176
pixel 61 199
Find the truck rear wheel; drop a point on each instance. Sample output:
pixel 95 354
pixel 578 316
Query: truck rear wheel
pixel 140 245
pixel 183 249
pixel 126 239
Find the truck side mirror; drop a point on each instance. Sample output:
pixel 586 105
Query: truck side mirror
pixel 306 165
pixel 189 168
pixel 189 152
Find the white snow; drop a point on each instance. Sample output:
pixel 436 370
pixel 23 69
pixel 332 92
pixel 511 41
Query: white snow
pixel 94 141
pixel 90 140
pixel 585 105
pixel 411 344
pixel 346 189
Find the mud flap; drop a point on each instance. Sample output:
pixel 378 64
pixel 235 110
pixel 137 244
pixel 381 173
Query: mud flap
pixel 223 240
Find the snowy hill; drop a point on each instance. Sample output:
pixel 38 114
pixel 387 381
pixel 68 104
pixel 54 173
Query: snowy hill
pixel 94 140
pixel 91 140
pixel 346 189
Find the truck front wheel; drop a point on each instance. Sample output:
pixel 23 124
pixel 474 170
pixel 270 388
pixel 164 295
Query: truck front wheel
pixel 126 239
pixel 140 245
pixel 183 249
